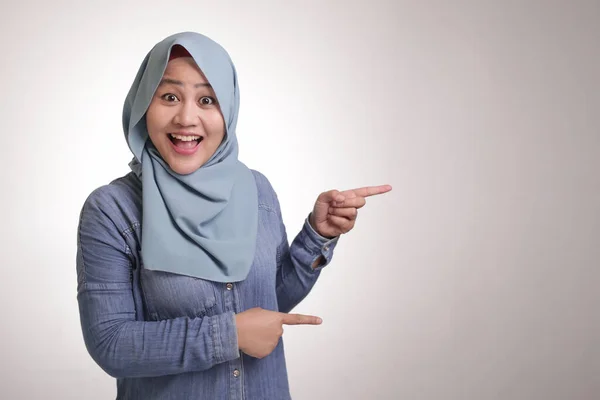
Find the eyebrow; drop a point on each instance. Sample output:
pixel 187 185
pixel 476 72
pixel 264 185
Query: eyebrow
pixel 167 81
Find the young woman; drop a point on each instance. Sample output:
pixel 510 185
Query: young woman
pixel 185 273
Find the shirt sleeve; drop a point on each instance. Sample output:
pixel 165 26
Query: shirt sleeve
pixel 120 345
pixel 295 273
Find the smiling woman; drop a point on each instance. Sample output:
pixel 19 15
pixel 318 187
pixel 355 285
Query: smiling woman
pixel 183 120
pixel 185 272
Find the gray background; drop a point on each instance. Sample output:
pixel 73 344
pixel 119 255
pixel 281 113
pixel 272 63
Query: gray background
pixel 476 278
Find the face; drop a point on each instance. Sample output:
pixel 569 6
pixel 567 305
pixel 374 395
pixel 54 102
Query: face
pixel 184 121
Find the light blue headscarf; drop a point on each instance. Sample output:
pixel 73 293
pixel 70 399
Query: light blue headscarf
pixel 203 224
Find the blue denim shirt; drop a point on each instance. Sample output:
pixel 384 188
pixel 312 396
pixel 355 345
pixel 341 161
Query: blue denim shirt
pixel 167 336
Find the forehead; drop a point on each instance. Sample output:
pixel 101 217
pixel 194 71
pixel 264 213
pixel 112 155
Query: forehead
pixel 185 69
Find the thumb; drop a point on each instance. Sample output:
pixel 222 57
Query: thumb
pixel 300 319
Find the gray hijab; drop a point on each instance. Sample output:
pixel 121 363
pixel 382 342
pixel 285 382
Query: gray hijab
pixel 203 224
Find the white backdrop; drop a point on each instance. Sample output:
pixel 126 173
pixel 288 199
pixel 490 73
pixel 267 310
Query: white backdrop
pixel 475 278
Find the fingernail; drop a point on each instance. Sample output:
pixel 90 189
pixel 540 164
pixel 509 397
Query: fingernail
pixel 319 320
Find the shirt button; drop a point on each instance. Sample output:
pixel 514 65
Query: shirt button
pixel 229 286
pixel 236 372
pixel 326 248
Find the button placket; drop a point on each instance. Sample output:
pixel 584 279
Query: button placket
pixel 229 297
pixel 236 381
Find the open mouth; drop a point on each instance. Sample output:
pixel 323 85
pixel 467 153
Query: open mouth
pixel 185 143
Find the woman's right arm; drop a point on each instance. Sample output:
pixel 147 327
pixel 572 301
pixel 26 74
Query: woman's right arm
pixel 120 345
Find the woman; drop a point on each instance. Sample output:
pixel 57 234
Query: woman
pixel 187 299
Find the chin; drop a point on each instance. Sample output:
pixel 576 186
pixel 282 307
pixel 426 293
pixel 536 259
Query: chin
pixel 185 168
pixel 183 165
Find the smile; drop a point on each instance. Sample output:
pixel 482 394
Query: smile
pixel 185 144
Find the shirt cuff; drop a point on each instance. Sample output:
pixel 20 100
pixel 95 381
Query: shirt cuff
pixel 317 245
pixel 224 337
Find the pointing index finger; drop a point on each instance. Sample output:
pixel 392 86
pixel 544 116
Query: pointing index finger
pixel 372 190
pixel 299 319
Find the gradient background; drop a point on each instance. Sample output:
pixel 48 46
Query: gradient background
pixel 476 278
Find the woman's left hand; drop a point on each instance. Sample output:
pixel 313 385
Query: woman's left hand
pixel 335 212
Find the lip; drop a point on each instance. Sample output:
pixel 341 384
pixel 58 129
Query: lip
pixel 185 152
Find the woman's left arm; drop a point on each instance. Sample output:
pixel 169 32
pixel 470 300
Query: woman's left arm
pixel 299 265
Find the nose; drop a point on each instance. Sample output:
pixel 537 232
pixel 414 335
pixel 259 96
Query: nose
pixel 187 114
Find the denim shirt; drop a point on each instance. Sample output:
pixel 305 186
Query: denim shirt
pixel 167 336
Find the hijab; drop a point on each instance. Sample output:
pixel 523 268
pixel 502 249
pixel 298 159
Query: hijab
pixel 203 224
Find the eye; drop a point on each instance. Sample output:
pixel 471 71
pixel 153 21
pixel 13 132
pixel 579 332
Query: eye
pixel 170 97
pixel 207 100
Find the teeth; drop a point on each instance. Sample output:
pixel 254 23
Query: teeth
pixel 185 138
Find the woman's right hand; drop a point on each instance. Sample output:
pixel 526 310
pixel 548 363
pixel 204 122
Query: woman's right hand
pixel 259 330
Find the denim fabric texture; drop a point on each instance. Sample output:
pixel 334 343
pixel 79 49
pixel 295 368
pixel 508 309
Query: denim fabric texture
pixel 168 336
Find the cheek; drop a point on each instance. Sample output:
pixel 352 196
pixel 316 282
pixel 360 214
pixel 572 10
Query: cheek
pixel 156 118
pixel 215 125
pixel 151 121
